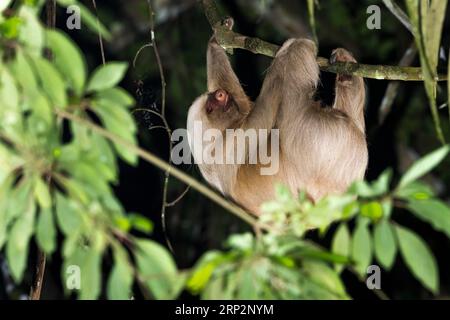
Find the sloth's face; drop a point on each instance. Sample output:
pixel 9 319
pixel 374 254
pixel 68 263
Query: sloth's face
pixel 216 110
pixel 221 110
pixel 218 101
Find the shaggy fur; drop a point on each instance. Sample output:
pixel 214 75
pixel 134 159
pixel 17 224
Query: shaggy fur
pixel 322 150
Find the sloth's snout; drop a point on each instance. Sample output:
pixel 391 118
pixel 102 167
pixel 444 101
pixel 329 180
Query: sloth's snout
pixel 217 99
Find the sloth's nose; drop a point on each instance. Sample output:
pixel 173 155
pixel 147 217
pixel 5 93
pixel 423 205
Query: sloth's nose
pixel 221 95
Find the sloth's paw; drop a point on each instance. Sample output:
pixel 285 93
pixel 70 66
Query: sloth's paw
pixel 342 55
pixel 228 23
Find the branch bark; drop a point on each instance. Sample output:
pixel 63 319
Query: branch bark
pixel 36 288
pixel 232 40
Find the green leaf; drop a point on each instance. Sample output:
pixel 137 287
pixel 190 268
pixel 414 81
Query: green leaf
pixel 31 31
pixel 67 215
pixel 248 284
pixel 282 192
pixel 46 231
pixel 18 242
pixel 372 210
pixel 23 72
pixel 325 277
pixel 75 189
pixel 361 247
pixel 42 193
pixel 385 245
pixel 156 268
pixel 214 290
pixel 203 270
pixel 9 95
pixel 68 59
pixel 9 161
pixel 415 191
pixel 93 24
pixel 424 165
pixel 19 200
pixel 91 275
pixel 115 114
pixel 10 113
pixel 386 204
pixel 427 25
pixel 51 81
pixel 419 259
pixel 5 190
pixel 107 76
pixel 433 30
pixel 123 126
pixel 242 242
pixel 362 189
pixel 433 211
pixel 116 97
pixel 141 223
pixel 121 277
pixel 71 244
pixel 88 174
pixel 381 185
pixel 89 19
pixel 341 243
pixel 10 27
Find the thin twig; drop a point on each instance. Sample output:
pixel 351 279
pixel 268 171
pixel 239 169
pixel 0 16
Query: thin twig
pixel 181 196
pixel 100 38
pixel 398 13
pixel 163 117
pixel 392 89
pixel 36 288
pixel 232 40
pixel 157 127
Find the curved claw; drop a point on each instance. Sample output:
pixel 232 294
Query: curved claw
pixel 341 55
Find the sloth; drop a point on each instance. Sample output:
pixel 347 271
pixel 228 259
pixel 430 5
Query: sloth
pixel 321 149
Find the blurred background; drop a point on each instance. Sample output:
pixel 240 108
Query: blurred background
pixel 397 135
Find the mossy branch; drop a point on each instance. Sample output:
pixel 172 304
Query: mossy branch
pixel 232 40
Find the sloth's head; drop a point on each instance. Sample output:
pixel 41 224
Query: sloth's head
pixel 216 109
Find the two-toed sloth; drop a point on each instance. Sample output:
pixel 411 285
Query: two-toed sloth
pixel 322 150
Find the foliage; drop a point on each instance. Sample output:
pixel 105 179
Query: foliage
pixel 376 236
pixel 270 267
pixel 56 178
pixel 427 20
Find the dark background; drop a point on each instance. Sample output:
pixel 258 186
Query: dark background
pixel 194 224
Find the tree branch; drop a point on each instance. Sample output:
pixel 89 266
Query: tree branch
pixel 38 279
pixel 232 40
pixel 161 164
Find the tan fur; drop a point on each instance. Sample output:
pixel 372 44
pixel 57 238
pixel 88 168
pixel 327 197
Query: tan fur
pixel 322 150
